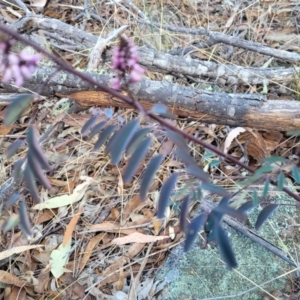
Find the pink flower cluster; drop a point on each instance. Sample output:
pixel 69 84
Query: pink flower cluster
pixel 16 66
pixel 125 58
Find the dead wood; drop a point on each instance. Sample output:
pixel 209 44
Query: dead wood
pixel 250 110
pixel 74 39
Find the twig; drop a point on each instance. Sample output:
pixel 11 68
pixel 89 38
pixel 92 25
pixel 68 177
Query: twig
pixel 139 12
pixel 218 37
pixel 95 55
pixel 132 294
pixel 22 6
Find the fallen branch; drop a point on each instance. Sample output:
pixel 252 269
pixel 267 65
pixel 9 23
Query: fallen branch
pixel 229 74
pixel 251 110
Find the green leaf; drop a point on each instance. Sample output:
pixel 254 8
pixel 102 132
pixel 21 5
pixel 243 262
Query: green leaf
pixel 296 174
pixel 266 189
pixel 225 248
pixel 97 129
pixel 208 155
pixel 274 159
pixel 16 108
pixel 264 169
pixel 37 171
pixel 103 136
pixel 136 158
pixel 59 259
pixel 192 230
pixel 247 206
pixel 31 185
pixel 165 194
pixel 36 150
pixel 13 148
pixel 185 157
pixel 11 222
pixel 18 168
pixel 162 110
pixel 12 200
pixel 24 219
pixel 264 215
pixel 88 124
pixel 197 172
pixel 280 182
pixel 214 163
pixel 293 132
pixel 177 139
pixel 122 139
pixel 215 189
pixel 149 174
pixel 184 209
pixel 255 199
pixel 136 139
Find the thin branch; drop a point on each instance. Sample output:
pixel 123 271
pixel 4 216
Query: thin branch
pixel 218 37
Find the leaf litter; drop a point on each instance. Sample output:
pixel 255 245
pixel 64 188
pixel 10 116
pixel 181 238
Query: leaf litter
pixel 82 175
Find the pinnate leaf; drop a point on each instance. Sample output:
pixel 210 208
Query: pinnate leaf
pixel 264 215
pixel 178 140
pixel 225 248
pixel 247 206
pixel 88 124
pixel 165 194
pixel 184 212
pixel 36 150
pixel 13 148
pixel 266 189
pixel 136 159
pixel 11 222
pixel 12 200
pixel 37 171
pixel 280 182
pixel 24 219
pixel 296 174
pixel 149 174
pixel 30 183
pixel 215 189
pixel 103 136
pixel 197 172
pixel 192 229
pixel 16 108
pixel 136 139
pixel 96 129
pixel 122 139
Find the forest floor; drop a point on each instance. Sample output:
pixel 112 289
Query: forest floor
pixel 89 204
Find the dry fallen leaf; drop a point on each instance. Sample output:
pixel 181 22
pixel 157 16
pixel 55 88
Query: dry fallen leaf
pixel 65 200
pixel 89 249
pixel 38 3
pixel 111 227
pixel 17 293
pixel 256 146
pixel 16 250
pixel 11 279
pixel 234 133
pixel 272 139
pixel 137 237
pixel 71 226
pixel 5 129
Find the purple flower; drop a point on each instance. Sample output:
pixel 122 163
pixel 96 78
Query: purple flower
pixel 125 59
pixel 16 66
